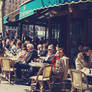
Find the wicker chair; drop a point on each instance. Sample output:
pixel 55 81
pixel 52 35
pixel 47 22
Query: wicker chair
pixel 61 77
pixel 7 68
pixel 77 82
pixel 43 75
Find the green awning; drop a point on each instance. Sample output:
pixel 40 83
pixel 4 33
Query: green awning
pixel 28 8
pixel 11 17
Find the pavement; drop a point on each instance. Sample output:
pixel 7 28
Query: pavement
pixel 6 87
pixel 22 87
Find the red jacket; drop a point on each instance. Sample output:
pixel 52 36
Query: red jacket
pixel 54 60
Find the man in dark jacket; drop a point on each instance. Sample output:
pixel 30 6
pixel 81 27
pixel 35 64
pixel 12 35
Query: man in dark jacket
pixel 32 54
pixel 49 56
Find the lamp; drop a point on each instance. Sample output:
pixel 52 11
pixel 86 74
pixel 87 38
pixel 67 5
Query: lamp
pixel 70 9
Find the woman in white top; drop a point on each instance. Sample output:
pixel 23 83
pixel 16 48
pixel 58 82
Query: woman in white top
pixel 83 59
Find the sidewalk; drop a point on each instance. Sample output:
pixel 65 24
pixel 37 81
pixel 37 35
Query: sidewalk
pixel 20 87
pixel 6 87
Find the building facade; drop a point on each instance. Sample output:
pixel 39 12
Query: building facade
pixel 0 16
pixel 65 22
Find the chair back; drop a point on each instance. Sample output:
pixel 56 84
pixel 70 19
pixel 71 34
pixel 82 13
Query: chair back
pixel 47 71
pixel 63 66
pixel 5 64
pixel 66 61
pixel 77 79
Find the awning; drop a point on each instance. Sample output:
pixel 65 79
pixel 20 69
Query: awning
pixel 29 7
pixel 12 17
pixel 5 19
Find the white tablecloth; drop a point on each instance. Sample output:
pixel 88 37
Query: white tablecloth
pixel 87 71
pixel 37 64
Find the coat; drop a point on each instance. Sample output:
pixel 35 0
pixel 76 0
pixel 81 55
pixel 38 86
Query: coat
pixel 31 56
pixel 80 62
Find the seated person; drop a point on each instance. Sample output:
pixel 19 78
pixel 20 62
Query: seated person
pixel 39 49
pixel 21 55
pixel 49 56
pixel 59 62
pixel 7 45
pixel 19 47
pixel 32 53
pixel 91 55
pixel 58 55
pixel 44 50
pixel 83 59
pixel 13 48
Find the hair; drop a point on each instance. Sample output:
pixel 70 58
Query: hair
pixel 51 46
pixel 39 46
pixel 14 41
pixel 19 44
pixel 85 49
pixel 30 45
pixel 25 46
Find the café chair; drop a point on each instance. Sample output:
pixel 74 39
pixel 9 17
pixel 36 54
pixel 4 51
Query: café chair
pixel 61 77
pixel 42 76
pixel 7 69
pixel 77 81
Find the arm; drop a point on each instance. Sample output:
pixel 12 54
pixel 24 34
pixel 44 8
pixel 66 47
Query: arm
pixel 28 58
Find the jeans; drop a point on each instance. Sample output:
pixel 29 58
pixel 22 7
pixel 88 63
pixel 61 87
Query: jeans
pixel 19 66
pixel 31 70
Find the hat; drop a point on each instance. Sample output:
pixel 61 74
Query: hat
pixel 50 47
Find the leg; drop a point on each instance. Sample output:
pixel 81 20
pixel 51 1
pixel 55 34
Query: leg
pixel 18 70
pixel 0 78
pixel 72 89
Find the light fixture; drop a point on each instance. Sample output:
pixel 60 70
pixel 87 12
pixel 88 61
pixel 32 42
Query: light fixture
pixel 53 12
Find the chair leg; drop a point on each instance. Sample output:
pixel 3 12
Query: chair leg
pixel 15 75
pixel 50 85
pixel 53 82
pixel 41 86
pixel 9 78
pixel 0 78
pixel 31 85
pixel 6 75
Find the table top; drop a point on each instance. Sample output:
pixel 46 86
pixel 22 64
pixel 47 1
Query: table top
pixel 87 71
pixel 38 64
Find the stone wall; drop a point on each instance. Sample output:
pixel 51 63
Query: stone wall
pixel 0 16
